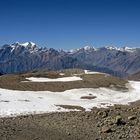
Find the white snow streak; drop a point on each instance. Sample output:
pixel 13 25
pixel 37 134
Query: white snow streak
pixel 92 72
pixel 63 79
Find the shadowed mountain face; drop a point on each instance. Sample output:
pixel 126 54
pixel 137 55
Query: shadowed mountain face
pixel 24 57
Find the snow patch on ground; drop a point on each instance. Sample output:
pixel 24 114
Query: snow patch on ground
pixel 63 79
pixel 13 102
pixel 92 72
pixel 61 74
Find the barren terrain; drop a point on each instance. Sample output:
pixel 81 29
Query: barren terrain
pixel 112 123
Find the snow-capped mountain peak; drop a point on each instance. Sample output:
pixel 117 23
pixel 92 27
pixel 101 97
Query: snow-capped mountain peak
pixel 20 57
pixel 26 44
pixel 112 48
pixel 125 48
pixel 88 48
pixel 85 48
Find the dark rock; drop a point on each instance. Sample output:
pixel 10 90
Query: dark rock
pixel 87 116
pixel 106 129
pixel 68 133
pixel 133 117
pixel 119 121
pixel 99 113
pixel 105 114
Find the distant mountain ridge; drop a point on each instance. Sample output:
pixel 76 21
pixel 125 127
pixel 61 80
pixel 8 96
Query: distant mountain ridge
pixel 20 57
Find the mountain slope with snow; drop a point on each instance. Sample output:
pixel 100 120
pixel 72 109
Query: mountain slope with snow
pixel 20 57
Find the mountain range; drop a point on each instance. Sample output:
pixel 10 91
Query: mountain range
pixel 28 56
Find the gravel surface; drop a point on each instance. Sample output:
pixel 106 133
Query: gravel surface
pixel 114 123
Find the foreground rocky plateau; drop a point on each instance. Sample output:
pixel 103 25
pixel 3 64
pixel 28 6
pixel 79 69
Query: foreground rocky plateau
pixel 114 123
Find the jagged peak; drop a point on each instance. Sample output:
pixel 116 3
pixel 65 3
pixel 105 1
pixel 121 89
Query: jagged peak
pixel 21 46
pixel 25 44
pixel 85 48
pixel 123 49
pixel 28 44
pixel 89 48
pixel 111 48
pixel 32 46
pixel 128 48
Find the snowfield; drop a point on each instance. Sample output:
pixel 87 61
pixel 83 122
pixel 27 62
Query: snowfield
pixel 13 102
pixel 63 79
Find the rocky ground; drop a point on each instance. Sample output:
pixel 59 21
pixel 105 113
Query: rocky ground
pixel 114 123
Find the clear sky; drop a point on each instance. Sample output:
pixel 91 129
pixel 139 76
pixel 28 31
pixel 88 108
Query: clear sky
pixel 71 23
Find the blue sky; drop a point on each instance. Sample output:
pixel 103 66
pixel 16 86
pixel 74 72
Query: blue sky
pixel 71 23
